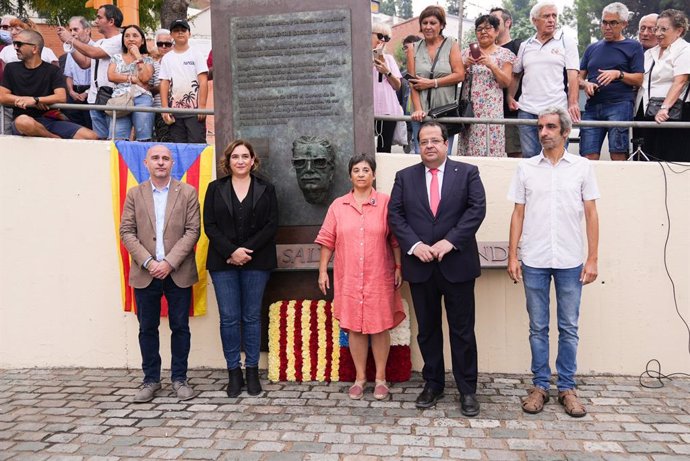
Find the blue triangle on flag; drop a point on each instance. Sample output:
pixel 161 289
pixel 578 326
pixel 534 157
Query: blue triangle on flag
pixel 134 153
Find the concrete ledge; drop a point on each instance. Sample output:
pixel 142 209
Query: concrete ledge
pixel 60 301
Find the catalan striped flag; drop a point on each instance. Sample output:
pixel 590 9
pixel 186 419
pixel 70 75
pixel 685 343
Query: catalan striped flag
pixel 194 164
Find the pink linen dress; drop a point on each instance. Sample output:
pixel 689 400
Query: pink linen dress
pixel 365 299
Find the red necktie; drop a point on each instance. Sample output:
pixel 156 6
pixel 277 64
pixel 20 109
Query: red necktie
pixel 434 199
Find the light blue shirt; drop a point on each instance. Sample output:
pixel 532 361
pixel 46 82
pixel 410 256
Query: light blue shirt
pixel 160 200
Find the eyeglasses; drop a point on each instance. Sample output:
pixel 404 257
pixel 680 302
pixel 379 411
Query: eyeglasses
pixel 303 163
pixel 663 30
pixel 434 141
pixel 479 30
pixel 380 36
pixel 605 23
pixel 18 44
pixel 164 44
pixel 5 27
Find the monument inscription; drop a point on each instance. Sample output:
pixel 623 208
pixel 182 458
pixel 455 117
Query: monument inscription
pixel 292 81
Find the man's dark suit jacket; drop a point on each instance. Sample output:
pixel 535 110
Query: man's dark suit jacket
pixel 219 225
pixel 460 213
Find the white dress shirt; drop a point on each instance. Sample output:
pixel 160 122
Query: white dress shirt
pixel 554 197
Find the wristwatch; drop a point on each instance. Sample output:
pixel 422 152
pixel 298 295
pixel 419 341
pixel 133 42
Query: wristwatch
pixel 38 101
pixel 664 107
pixel 389 74
pixel 620 75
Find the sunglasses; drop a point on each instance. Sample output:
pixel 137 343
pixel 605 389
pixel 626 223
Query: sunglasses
pixel 380 36
pixel 164 44
pixel 18 44
pixel 5 27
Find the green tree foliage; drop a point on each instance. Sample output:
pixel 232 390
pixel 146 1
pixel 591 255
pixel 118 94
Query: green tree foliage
pixel 387 7
pixel 519 9
pixel 453 7
pixel 404 8
pixel 54 11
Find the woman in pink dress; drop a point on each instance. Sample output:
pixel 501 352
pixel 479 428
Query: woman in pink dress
pixel 366 272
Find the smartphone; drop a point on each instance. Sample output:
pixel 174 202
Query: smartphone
pixel 409 76
pixel 377 53
pixel 58 21
pixel 474 50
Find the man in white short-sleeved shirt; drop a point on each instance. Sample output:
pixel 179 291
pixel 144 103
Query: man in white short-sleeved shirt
pixel 552 192
pixel 540 64
pixel 97 57
pixel 184 85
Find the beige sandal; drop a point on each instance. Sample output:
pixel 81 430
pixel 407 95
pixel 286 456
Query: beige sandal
pixel 356 391
pixel 571 403
pixel 381 390
pixel 534 402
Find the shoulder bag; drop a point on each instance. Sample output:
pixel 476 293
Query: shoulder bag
pixel 675 112
pixel 103 93
pixel 447 110
pixel 122 100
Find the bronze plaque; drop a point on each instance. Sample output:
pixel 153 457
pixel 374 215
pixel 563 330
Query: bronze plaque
pixel 284 81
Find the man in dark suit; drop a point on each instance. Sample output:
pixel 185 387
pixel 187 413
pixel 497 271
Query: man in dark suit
pixel 435 210
pixel 160 226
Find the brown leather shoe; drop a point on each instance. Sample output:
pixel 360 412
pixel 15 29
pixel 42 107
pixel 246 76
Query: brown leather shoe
pixel 571 403
pixel 534 402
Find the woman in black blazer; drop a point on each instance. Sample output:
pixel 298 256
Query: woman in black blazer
pixel 241 221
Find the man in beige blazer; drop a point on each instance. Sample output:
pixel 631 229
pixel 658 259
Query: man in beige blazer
pixel 160 226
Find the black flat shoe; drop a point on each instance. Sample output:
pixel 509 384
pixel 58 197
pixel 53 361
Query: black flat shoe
pixel 235 382
pixel 428 398
pixel 469 405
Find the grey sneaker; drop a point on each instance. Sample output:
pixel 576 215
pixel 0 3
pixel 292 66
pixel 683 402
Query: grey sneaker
pixel 184 392
pixel 147 392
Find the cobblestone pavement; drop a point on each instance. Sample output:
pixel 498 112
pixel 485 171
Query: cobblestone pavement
pixel 88 414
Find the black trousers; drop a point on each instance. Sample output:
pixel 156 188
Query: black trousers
pixel 384 138
pixel 459 304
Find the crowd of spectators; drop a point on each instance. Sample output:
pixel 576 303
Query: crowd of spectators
pixel 95 71
pixel 619 76
pixel 623 79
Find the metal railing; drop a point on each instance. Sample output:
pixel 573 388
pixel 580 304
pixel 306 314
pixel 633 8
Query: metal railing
pixel 393 118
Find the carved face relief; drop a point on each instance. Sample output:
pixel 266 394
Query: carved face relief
pixel 313 158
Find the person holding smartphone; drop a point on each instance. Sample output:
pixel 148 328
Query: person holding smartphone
pixel 489 68
pixel 386 76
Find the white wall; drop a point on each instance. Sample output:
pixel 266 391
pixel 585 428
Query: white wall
pixel 60 301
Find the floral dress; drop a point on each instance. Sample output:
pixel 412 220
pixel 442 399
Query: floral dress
pixel 487 99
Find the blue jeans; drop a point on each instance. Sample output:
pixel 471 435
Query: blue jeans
pixel 149 315
pixel 239 294
pixel 415 139
pixel 142 121
pixel 99 123
pixel 592 137
pixel 529 135
pixel 537 283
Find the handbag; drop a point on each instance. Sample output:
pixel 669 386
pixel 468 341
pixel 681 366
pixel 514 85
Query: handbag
pixel 460 108
pixel 400 134
pixel 122 100
pixel 675 112
pixel 103 95
pixel 447 110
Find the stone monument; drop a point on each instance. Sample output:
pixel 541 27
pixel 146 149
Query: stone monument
pixel 294 78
